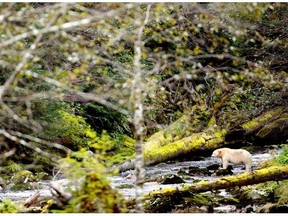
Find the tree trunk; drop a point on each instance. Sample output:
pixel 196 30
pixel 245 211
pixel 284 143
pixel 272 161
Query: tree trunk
pixel 199 141
pixel 137 109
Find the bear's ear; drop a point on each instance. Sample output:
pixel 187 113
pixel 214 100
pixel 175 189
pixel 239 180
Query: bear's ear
pixel 219 151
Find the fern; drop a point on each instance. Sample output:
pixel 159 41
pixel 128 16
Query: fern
pixel 13 167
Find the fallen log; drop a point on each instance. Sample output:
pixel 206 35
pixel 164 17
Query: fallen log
pixel 273 173
pixel 166 199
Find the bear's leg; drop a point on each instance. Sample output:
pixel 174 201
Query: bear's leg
pixel 247 167
pixel 225 164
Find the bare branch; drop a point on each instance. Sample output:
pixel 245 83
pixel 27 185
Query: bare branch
pixel 64 27
pixel 29 145
pixel 86 96
pixel 26 56
pixel 41 141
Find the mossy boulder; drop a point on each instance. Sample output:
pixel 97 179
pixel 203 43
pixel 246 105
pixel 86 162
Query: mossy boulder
pixel 165 204
pixel 259 196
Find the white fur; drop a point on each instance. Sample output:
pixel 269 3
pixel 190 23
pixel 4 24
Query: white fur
pixel 234 156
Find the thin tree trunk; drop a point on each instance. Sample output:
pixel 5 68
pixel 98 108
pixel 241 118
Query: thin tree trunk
pixel 137 108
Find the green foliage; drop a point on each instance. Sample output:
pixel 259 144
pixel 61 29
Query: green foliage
pixel 279 189
pixel 69 129
pixel 7 206
pixel 13 167
pixel 113 150
pixel 102 118
pixel 281 192
pixel 94 193
pixel 283 156
pixel 21 186
pixel 23 176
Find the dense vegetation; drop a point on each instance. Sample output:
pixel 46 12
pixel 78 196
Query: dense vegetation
pixel 69 84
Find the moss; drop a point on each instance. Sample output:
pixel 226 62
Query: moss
pixel 281 192
pixel 259 196
pixel 22 176
pixel 42 176
pixel 250 124
pixel 184 146
pixel 23 186
pixel 163 203
pixel 212 121
pixel 203 182
pixel 199 199
pixel 125 186
pixel 274 125
pixel 8 206
pixel 165 136
pixel 229 201
pixel 263 118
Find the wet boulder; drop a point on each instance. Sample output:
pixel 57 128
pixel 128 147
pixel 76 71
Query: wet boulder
pixel 278 209
pixel 195 171
pixel 213 167
pixel 259 196
pixel 170 179
pixel 273 208
pixel 222 172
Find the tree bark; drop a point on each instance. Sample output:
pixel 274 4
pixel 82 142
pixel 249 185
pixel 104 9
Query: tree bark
pixel 137 109
pixel 273 173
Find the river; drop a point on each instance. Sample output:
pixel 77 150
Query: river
pixel 126 184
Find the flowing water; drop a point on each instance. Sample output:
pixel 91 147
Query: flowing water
pixel 157 171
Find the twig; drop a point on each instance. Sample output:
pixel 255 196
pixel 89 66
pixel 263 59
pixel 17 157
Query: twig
pixel 24 143
pixel 32 199
pixel 65 26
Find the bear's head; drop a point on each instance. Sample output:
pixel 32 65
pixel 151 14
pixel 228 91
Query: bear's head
pixel 217 153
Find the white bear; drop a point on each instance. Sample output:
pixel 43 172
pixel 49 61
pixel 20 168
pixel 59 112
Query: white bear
pixel 234 156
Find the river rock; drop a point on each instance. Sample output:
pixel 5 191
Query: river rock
pixel 259 196
pixel 193 171
pixel 221 172
pixel 279 209
pixel 213 167
pixel 170 179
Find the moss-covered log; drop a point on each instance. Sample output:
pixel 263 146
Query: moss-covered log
pixel 199 141
pixel 175 131
pixel 270 127
pixel 274 173
pixel 166 199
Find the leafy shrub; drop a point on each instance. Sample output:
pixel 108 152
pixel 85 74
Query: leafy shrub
pixel 70 130
pixel 283 156
pixel 94 193
pixel 7 206
pixel 102 118
pixel 113 150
